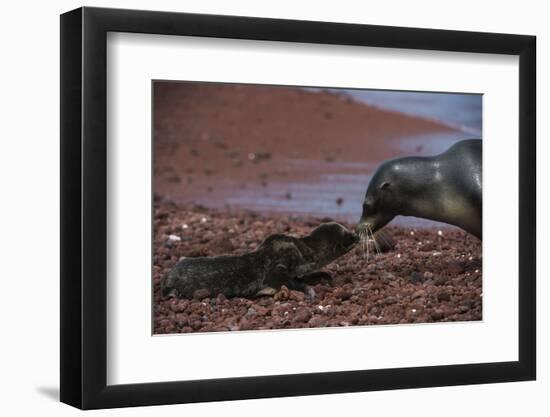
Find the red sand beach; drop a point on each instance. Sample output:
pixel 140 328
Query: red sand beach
pixel 234 163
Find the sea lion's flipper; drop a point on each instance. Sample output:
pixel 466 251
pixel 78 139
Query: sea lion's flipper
pixel 316 277
pixel 297 285
pixel 278 276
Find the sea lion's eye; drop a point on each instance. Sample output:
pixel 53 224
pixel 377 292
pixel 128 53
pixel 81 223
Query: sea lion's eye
pixel 384 185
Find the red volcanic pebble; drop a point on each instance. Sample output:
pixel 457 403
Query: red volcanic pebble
pixel 424 277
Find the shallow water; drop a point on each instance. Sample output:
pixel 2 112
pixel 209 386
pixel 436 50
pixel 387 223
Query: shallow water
pixel 334 190
pixel 460 111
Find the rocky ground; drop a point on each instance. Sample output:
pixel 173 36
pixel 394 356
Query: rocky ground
pixel 430 275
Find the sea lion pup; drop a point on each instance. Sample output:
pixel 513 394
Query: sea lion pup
pixel 279 260
pixel 445 188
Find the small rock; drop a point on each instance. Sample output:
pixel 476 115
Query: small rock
pixel 437 315
pixel 302 316
pixel 416 278
pixel 342 294
pixel 455 268
pixel 440 280
pixel 221 245
pixel 265 301
pixel 171 328
pixel 386 276
pixel 164 322
pixel 443 296
pixel 418 294
pixel 297 295
pixel 244 324
pixel 282 294
pixel 463 308
pixel 317 321
pixel 195 324
pixel 182 320
pixel 178 306
pixel 256 309
pixel 390 300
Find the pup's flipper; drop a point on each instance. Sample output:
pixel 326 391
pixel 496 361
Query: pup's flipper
pixel 317 277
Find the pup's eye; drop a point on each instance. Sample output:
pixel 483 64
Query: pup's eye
pixel 384 185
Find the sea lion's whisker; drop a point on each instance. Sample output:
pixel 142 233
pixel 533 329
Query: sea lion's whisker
pixel 362 238
pixel 376 247
pixel 365 243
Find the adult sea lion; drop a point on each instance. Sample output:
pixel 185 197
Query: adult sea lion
pixel 279 260
pixel 445 188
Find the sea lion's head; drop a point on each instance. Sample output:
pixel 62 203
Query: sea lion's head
pixel 330 241
pixel 393 186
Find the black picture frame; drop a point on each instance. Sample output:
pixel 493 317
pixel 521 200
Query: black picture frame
pixel 84 207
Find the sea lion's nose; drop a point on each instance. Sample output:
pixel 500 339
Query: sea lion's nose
pixel 368 209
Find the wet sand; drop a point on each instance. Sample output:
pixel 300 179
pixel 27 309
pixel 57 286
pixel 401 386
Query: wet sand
pixel 427 277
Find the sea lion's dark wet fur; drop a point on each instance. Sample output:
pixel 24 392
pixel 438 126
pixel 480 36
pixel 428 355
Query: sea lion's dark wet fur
pixel 279 260
pixel 445 188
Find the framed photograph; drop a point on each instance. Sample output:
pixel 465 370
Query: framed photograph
pixel 258 208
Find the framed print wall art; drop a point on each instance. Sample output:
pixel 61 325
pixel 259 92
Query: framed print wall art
pixel 257 208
